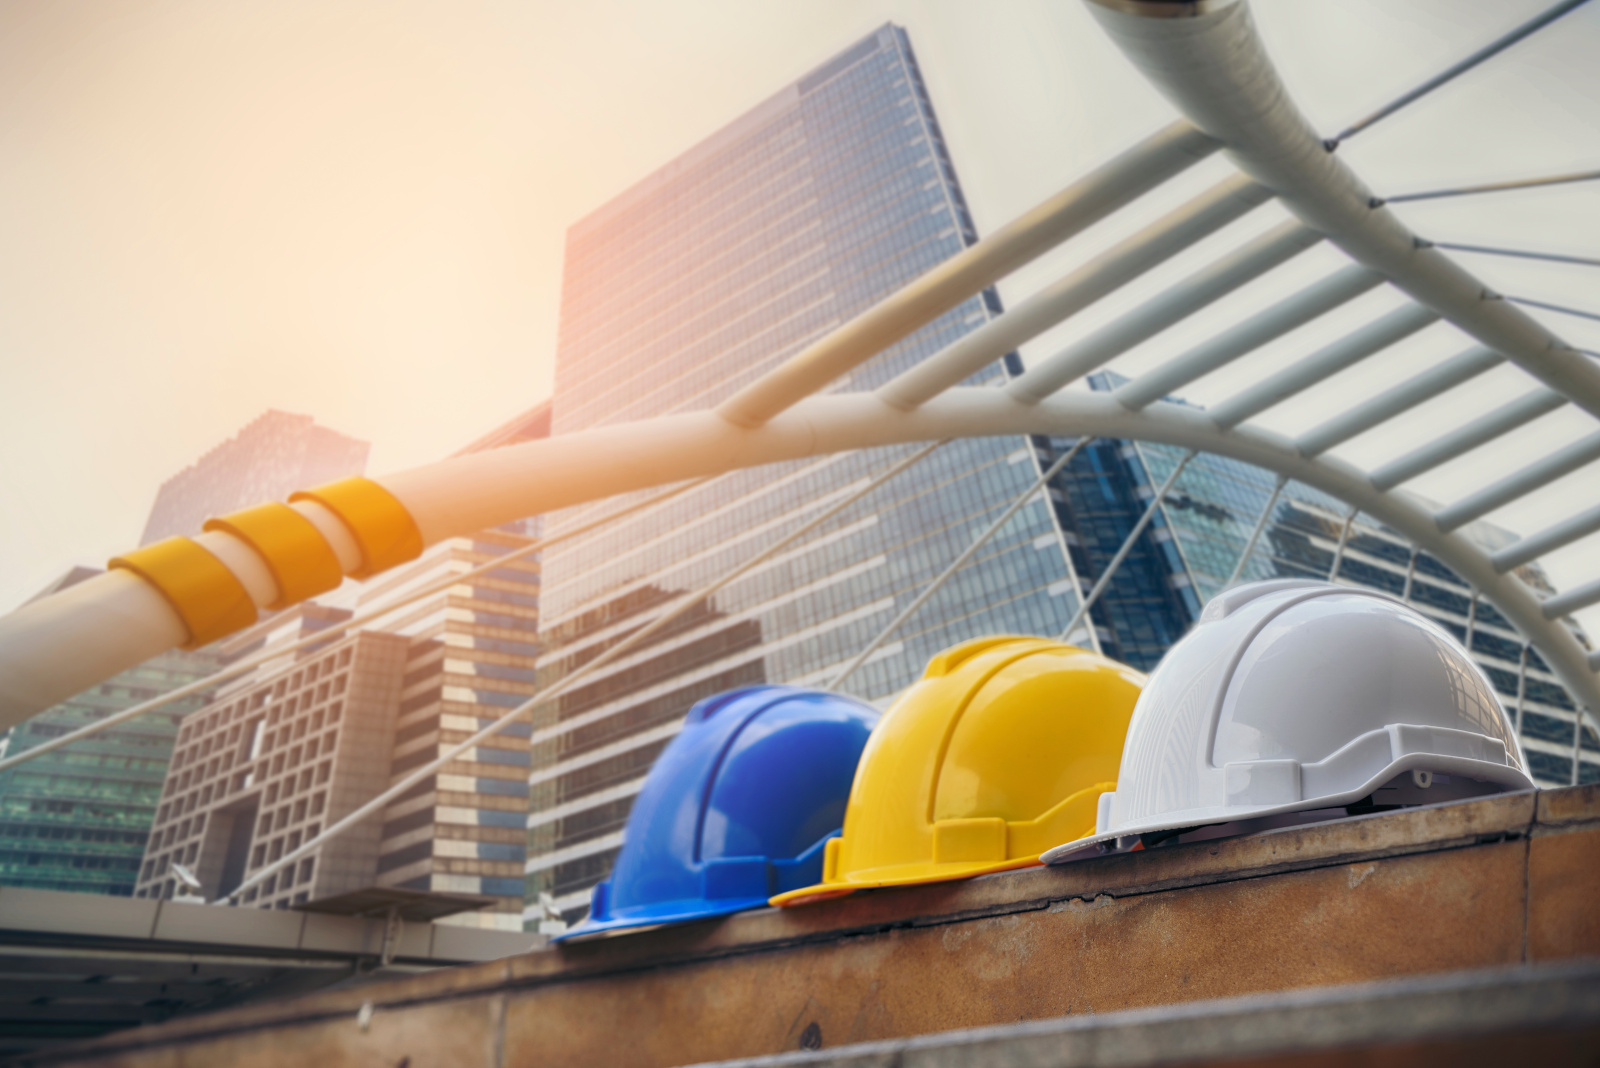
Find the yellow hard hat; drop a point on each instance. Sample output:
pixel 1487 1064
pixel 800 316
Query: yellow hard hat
pixel 1000 751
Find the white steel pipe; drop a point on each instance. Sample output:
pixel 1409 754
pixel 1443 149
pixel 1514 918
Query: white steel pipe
pixel 1291 313
pixel 1504 419
pixel 1210 63
pixel 468 493
pixel 1129 176
pixel 1521 483
pixel 1572 600
pixel 1322 364
pixel 1402 398
pixel 1548 540
pixel 1210 283
pixel 1204 215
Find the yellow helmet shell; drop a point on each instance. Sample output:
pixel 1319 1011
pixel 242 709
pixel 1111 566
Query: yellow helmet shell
pixel 1000 751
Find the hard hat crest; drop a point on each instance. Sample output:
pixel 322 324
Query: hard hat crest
pixel 1002 747
pixel 739 806
pixel 1294 696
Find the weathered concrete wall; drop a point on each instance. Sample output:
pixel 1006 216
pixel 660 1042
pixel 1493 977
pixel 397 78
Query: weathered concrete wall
pixel 1544 1014
pixel 1501 881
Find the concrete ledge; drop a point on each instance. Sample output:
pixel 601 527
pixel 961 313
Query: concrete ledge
pixel 1556 1008
pixel 1495 882
pixel 134 925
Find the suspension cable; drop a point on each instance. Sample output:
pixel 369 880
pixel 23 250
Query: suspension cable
pixel 956 565
pixel 1255 535
pixel 1127 546
pixel 1488 51
pixel 1491 187
pixel 1550 257
pixel 1555 308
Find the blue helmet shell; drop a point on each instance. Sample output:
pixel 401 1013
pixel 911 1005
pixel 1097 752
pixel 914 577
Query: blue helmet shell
pixel 738 807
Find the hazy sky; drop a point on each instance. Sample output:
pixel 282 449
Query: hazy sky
pixel 357 210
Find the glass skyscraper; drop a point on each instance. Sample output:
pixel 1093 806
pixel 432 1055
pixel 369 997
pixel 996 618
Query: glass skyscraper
pixel 1193 544
pixel 806 211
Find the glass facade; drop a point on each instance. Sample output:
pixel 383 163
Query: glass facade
pixel 782 227
pixel 1193 543
pixel 471 659
pixel 78 818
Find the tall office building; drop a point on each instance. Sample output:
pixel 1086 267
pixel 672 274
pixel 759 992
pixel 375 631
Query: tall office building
pixel 829 196
pixel 472 658
pixel 274 455
pixel 1192 545
pixel 277 755
pixel 78 818
pixel 307 737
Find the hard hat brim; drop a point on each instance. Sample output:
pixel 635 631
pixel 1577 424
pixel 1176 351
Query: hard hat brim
pixel 661 915
pixel 1507 775
pixel 900 875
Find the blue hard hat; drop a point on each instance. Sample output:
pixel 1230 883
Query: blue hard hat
pixel 737 808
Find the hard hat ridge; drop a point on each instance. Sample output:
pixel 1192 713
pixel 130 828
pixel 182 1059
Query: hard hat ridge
pixel 1295 696
pixel 739 806
pixel 1001 749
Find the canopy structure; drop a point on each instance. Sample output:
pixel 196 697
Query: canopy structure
pixel 1208 59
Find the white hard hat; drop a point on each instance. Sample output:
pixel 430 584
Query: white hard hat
pixel 1292 695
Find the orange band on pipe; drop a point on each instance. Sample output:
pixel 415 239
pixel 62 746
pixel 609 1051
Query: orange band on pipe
pixel 377 520
pixel 301 561
pixel 209 598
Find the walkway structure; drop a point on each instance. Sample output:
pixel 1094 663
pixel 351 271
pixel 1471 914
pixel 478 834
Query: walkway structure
pixel 1207 58
pixel 73 972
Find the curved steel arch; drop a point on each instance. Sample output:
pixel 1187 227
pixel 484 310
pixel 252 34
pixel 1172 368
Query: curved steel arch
pixel 1211 63
pixel 698 444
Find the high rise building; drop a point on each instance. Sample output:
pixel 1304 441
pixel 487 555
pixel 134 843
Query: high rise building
pixel 1193 544
pixel 306 738
pixel 77 818
pixel 472 658
pixel 274 455
pixel 801 214
pixel 274 758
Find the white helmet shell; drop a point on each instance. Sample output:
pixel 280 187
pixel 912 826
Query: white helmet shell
pixel 1292 695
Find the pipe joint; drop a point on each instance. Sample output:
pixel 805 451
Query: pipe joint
pixel 209 598
pixel 302 562
pixel 381 526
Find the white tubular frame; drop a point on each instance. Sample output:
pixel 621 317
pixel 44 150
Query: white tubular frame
pixel 1206 57
pixel 1208 60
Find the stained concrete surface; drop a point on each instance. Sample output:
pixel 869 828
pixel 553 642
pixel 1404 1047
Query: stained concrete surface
pixel 1502 881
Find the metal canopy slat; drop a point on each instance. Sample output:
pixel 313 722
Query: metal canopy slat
pixel 1143 167
pixel 1521 483
pixel 1501 421
pixel 1323 364
pixel 1199 218
pixel 1402 398
pixel 1276 246
pixel 1563 604
pixel 1316 300
pixel 1548 540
